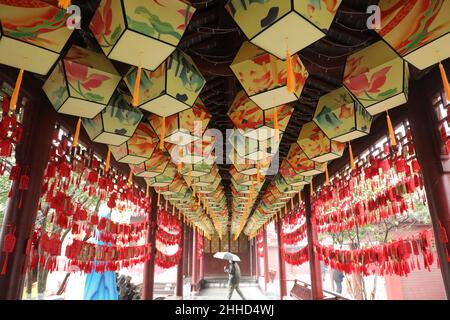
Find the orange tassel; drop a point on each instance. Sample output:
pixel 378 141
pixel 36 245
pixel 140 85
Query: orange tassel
pixel 15 93
pixel 352 160
pixel 166 204
pixel 311 189
pixel 199 203
pixel 292 203
pixel 137 87
pixel 290 77
pixel 108 160
pixel 64 3
pixel 327 177
pixel 299 196
pixel 258 173
pixel 445 81
pixel 159 199
pixel 147 191
pixel 189 175
pixel 163 133
pixel 77 133
pixel 391 130
pixel 130 178
pixel 173 210
pixel 193 189
pixel 275 124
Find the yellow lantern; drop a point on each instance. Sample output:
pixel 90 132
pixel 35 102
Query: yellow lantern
pixel 264 77
pixel 273 24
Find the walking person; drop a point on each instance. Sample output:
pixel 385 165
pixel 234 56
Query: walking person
pixel 234 277
pixel 338 277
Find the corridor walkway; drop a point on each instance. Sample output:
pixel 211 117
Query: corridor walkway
pixel 250 293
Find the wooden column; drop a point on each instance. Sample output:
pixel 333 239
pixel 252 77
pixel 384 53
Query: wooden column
pixel 180 278
pixel 194 262
pixel 33 151
pixel 435 167
pixel 149 266
pixel 281 264
pixel 266 260
pixel 314 263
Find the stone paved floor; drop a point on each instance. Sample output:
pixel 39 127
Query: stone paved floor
pixel 250 293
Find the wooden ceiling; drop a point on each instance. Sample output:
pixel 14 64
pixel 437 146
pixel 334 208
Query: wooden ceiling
pixel 213 39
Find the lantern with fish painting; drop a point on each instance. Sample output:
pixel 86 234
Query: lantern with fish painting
pixel 301 164
pixel 341 117
pixel 139 148
pixel 165 178
pixel 116 123
pixel 317 146
pixel 154 166
pixel 82 83
pixel 419 31
pixel 273 24
pixel 292 177
pixel 32 34
pixel 140 32
pixel 173 87
pixel 256 123
pixel 264 77
pixel 377 77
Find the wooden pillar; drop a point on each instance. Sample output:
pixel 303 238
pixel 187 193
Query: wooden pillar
pixel 180 278
pixel 258 260
pixel 266 260
pixel 149 266
pixel 281 264
pixel 435 167
pixel 194 261
pixel 250 247
pixel 201 261
pixel 33 151
pixel 314 263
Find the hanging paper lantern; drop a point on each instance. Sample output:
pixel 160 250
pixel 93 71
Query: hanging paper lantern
pixel 139 148
pixel 264 77
pixel 207 179
pixel 173 188
pixel 292 177
pixel 283 187
pixel 316 145
pixel 341 117
pixel 164 179
pixel 377 77
pixel 242 179
pixel 194 152
pixel 82 83
pixel 249 167
pixel 116 123
pixel 32 34
pixel 273 24
pixel 171 88
pixel 154 166
pixel 212 187
pixel 252 149
pixel 301 164
pixel 183 127
pixel 140 32
pixel 257 123
pixel 199 169
pixel 418 30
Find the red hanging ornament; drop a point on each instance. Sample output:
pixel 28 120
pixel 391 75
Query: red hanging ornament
pixel 8 247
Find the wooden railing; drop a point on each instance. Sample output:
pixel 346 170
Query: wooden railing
pixel 302 291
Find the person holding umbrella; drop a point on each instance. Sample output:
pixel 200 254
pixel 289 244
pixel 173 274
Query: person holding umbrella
pixel 234 272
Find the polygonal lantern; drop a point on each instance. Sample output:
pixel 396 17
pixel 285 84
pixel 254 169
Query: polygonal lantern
pixel 291 176
pixel 377 77
pixel 257 123
pixel 301 164
pixel 194 152
pixel 341 117
pixel 171 88
pixel 140 32
pixel 207 179
pixel 283 187
pixel 249 167
pixel 252 149
pixel 32 34
pixel 116 123
pixel 173 188
pixel 242 179
pixel 139 148
pixel 82 83
pixel 154 166
pixel 210 188
pixel 317 146
pixel 271 24
pixel 264 77
pixel 183 127
pixel 277 193
pixel 164 179
pixel 198 169
pixel 418 30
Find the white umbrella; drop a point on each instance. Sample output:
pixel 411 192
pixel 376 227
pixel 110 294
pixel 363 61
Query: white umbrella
pixel 226 256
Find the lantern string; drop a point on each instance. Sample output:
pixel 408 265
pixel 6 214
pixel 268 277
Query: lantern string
pixel 130 178
pixel 108 160
pixel 327 177
pixel 15 93
pixel 64 4
pixel 163 133
pixel 352 160
pixel 290 77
